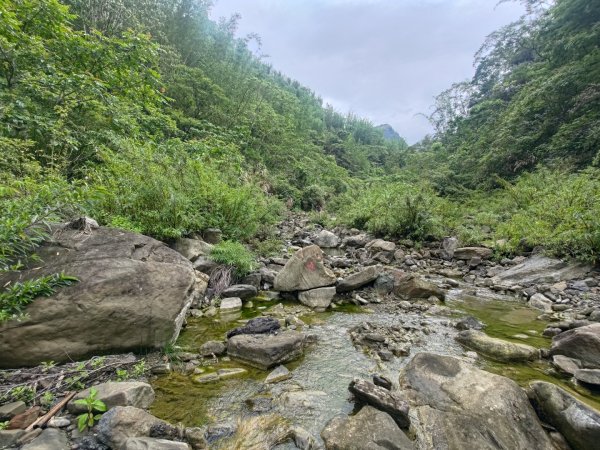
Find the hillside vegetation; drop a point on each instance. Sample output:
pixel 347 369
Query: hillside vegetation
pixel 514 160
pixel 149 116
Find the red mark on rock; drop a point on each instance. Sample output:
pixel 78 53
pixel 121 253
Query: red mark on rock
pixel 311 265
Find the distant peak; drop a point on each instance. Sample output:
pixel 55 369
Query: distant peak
pixel 389 133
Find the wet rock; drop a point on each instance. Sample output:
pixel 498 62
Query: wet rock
pixel 302 399
pixel 358 279
pixel 304 271
pixel 455 405
pixel 266 350
pixel 468 253
pixel 540 269
pixel 146 443
pixel 230 304
pixel 133 294
pixel 577 422
pixel 127 393
pixel 566 364
pixel 411 286
pixel 243 291
pixel 469 323
pixel 581 343
pixel 303 439
pixel 123 422
pixel 369 429
pixel 318 299
pixel 258 325
pixel 259 404
pixel 541 302
pixel 219 431
pixel 230 373
pixel 379 245
pixel 390 402
pixel 280 373
pixel 192 248
pixel 497 348
pixel 210 348
pixel 327 239
pixel 10 410
pixel 588 376
pixel 49 439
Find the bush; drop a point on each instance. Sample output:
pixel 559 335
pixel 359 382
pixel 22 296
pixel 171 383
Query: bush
pixel 234 255
pixel 396 210
pixel 166 193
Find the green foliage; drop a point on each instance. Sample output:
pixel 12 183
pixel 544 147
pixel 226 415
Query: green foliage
pixel 121 374
pixel 235 255
pixel 21 393
pixel 20 294
pixel 168 192
pixel 47 400
pixel 94 406
pixel 4 425
pixel 395 209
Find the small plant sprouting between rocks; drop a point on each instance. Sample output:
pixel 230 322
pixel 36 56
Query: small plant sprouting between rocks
pixel 94 406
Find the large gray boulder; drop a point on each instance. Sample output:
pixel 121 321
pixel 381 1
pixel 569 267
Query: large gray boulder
pixel 126 393
pixel 581 343
pixel 133 293
pixel 304 271
pixel 123 422
pixel 497 348
pixel 192 249
pixel 457 406
pixel 266 350
pixel 577 422
pixel 318 299
pixel 358 279
pixel 326 239
pixel 540 269
pixel 370 429
pixel 411 286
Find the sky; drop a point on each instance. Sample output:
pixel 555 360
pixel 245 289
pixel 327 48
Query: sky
pixel 384 60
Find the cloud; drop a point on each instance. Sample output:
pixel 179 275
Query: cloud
pixel 381 59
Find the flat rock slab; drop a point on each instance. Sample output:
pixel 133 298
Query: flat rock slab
pixel 577 422
pixel 379 245
pixel 133 294
pixel 243 291
pixel 258 325
pixel 455 405
pixel 126 393
pixel 145 443
pixel 358 279
pixel 304 271
pixel 382 399
pixel 318 299
pixel 411 286
pixel 566 364
pixel 497 348
pixel 370 429
pixel 581 343
pixel 231 304
pixel 50 439
pixel 468 253
pixel 588 376
pixel 266 350
pixel 541 269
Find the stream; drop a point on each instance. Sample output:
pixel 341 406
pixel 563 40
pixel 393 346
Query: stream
pixel 318 389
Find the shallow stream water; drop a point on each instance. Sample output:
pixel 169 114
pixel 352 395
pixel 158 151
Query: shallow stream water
pixel 318 389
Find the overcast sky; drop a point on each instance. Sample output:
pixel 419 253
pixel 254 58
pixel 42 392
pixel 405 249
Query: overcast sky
pixel 381 59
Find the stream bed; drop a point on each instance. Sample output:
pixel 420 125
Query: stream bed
pixel 318 389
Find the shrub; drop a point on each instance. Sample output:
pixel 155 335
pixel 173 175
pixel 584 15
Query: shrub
pixel 234 255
